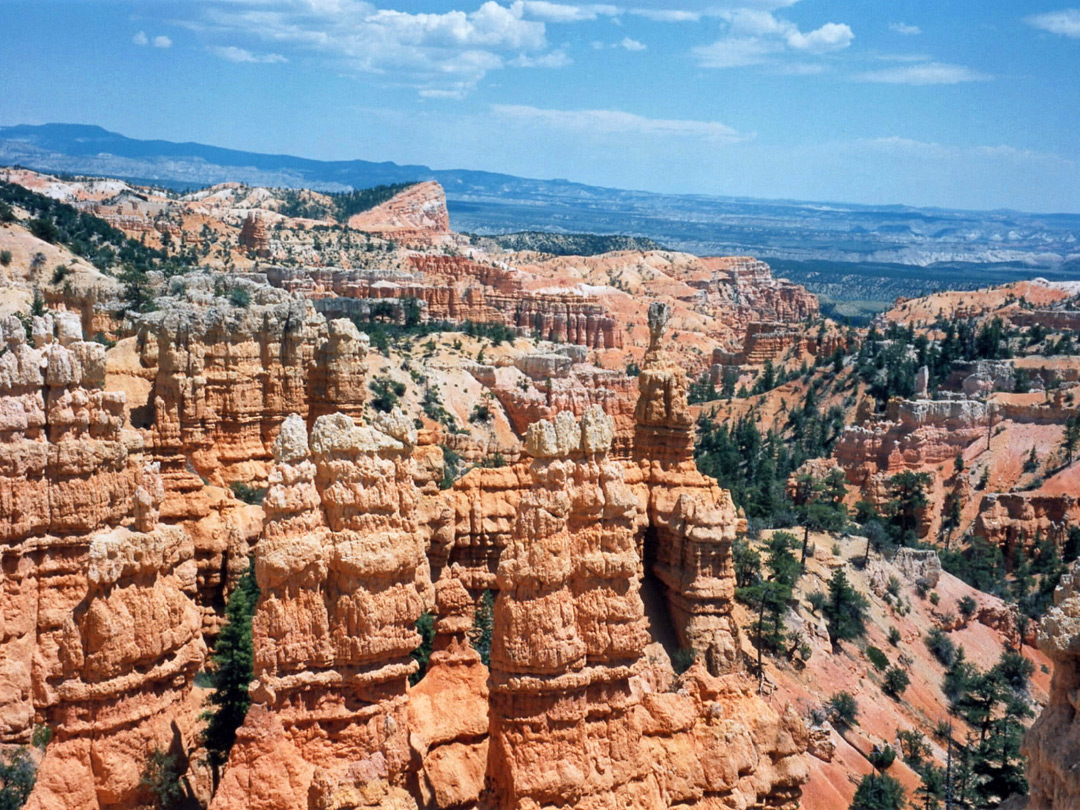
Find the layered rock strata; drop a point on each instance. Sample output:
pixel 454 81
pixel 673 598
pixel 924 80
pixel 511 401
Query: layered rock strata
pixel 1052 744
pixel 99 632
pixel 342 574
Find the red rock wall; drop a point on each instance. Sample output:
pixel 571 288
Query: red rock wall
pixel 99 631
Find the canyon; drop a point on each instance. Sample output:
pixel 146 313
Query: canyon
pixel 405 436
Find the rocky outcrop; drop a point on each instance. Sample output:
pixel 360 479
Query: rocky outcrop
pixel 1052 745
pixel 418 214
pixel 771 340
pixel 1012 520
pixel 914 434
pixel 254 236
pixel 572 712
pixel 691 522
pixel 341 571
pixel 529 401
pixel 746 287
pixel 562 316
pixel 99 637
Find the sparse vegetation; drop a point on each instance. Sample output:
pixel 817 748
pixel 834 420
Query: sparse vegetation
pixel 232 671
pixel 483 625
pixel 425 626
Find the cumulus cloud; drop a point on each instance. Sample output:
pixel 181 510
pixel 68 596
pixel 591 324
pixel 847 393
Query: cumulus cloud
pixel 904 29
pixel 629 44
pixel 755 34
pixel 617 122
pixel 444 55
pixel 231 53
pixel 160 41
pixel 1065 22
pixel 830 37
pixel 925 73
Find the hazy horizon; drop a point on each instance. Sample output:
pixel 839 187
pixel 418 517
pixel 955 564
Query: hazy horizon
pixel 807 100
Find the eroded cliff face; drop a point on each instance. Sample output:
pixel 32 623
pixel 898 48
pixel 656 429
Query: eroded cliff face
pixel 100 637
pixel 1052 745
pixel 343 577
pixel 574 711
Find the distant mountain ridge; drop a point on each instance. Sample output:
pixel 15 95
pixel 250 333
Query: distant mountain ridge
pixel 820 243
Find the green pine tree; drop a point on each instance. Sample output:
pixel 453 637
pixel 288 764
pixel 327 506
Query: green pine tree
pixel 845 609
pixel 233 668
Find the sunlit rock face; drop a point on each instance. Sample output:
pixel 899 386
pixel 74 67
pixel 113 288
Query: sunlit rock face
pixel 99 631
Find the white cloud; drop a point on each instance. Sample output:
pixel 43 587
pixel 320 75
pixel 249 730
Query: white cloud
pixel 755 34
pixel 735 52
pixel 442 54
pixel 552 59
pixel 926 73
pixel 830 37
pixel 616 122
pixel 564 13
pixel 231 53
pixel 632 44
pixel 667 15
pixel 1065 22
pixel 904 29
pixel 160 41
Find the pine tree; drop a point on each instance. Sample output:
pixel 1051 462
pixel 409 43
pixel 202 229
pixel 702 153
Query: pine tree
pixel 233 669
pixel 878 792
pixel 844 610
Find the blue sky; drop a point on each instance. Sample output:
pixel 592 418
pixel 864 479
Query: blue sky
pixel 955 103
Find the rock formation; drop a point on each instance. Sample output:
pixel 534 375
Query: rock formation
pixel 1052 745
pixel 253 236
pixel 340 569
pixel 417 214
pixel 100 636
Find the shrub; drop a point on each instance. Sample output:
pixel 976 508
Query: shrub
pixel 896 682
pixel 816 600
pixel 425 626
pixel 843 710
pixel 483 625
pixel 481 412
pixel 882 758
pixel 967 607
pixel 5 257
pixel 941 646
pixel 914 747
pixel 894 636
pixel 683 659
pixel 239 297
pixel 877 658
pixel 934 598
pixel 61 272
pixel 248 493
pixel 42 736
pixel 387 393
pixel 17 776
pixel 161 779
pixel 878 792
pixel 451 467
pixel 44 229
